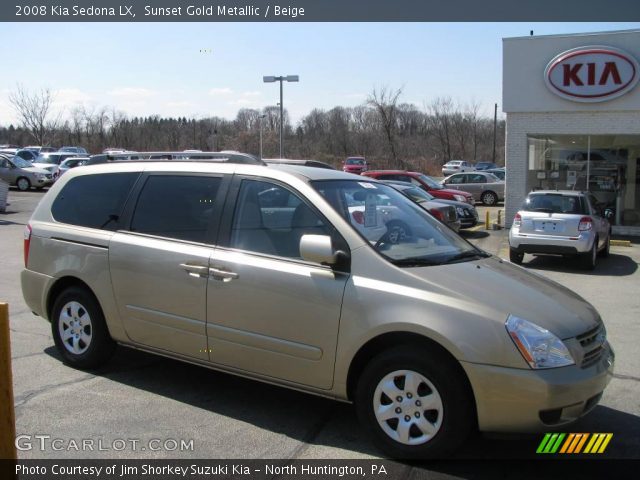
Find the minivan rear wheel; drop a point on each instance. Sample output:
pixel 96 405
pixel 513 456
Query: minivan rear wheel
pixel 23 184
pixel 79 329
pixel 414 403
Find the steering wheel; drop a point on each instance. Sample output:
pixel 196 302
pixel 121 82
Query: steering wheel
pixel 396 232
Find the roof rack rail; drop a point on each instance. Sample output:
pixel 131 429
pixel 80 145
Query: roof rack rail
pixel 217 157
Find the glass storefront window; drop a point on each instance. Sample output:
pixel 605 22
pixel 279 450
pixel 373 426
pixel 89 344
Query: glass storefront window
pixel 606 165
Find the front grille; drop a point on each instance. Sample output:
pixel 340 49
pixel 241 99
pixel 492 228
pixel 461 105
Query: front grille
pixel 592 343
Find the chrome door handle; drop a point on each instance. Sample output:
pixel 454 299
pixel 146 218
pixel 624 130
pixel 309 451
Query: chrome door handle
pixel 195 270
pixel 224 275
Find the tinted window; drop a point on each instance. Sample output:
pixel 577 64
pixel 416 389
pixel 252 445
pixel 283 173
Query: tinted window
pixel 456 179
pixel 555 203
pixel 176 206
pixel 271 219
pixel 94 201
pixel 476 178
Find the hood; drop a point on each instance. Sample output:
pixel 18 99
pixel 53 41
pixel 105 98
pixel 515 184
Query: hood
pixel 37 169
pixel 502 288
pixel 451 191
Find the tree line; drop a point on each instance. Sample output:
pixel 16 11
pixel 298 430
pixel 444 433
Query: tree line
pixel 389 133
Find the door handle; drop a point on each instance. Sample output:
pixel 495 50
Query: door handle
pixel 195 270
pixel 224 275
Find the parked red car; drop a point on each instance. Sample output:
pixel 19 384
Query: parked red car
pixel 355 165
pixel 428 184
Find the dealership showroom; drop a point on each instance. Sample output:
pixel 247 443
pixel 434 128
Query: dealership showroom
pixel 572 105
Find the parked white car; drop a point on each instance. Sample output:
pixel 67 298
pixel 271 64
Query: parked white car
pixel 456 166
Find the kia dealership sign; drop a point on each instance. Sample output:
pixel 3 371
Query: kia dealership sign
pixel 592 74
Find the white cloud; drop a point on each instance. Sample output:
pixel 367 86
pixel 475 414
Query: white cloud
pixel 220 91
pixel 131 92
pixel 179 104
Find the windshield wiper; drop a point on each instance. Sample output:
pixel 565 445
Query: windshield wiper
pixel 414 262
pixel 465 255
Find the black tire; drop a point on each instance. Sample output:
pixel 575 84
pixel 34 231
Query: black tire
pixel 489 198
pixel 74 306
pixel 604 253
pixel 23 184
pixel 588 259
pixel 453 419
pixel 515 256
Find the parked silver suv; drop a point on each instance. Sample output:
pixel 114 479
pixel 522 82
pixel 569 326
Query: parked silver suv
pixel 294 275
pixel 560 222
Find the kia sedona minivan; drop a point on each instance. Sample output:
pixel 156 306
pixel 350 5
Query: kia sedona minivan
pixel 297 276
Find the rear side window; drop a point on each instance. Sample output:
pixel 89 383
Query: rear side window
pixel 176 206
pixel 555 203
pixel 94 201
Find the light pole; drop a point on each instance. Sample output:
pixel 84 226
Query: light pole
pixel 261 117
pixel 288 78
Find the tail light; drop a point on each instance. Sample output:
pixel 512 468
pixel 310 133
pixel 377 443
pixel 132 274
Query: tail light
pixel 517 220
pixel 437 213
pixel 358 216
pixel 27 244
pixel 586 223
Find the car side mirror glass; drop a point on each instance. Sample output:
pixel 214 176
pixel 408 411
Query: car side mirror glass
pixel 318 249
pixel 608 213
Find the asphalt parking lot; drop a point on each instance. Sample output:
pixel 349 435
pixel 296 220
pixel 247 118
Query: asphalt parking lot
pixel 143 397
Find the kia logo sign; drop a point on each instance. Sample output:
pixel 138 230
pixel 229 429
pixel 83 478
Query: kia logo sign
pixel 592 74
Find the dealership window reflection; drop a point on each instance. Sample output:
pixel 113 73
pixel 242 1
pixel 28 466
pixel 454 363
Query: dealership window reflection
pixel 606 165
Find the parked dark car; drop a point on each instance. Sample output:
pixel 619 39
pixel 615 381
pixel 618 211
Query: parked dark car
pixel 444 212
pixel 485 165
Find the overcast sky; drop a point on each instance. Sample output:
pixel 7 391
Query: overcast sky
pixel 204 69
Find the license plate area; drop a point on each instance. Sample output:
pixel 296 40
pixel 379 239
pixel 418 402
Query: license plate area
pixel 549 226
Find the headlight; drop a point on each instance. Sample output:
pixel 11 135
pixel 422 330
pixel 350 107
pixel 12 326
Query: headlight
pixel 460 198
pixel 539 347
pixel 460 211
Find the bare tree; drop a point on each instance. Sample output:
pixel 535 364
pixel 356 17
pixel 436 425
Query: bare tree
pixel 34 112
pixel 385 102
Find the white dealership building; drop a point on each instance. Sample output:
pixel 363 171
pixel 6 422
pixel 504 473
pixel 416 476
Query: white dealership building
pixel 572 105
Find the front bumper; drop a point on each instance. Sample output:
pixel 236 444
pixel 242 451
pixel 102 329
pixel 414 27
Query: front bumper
pixel 526 400
pixel 552 244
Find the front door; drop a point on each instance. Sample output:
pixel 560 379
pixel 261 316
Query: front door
pixel 268 311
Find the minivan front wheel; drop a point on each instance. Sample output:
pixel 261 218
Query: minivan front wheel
pixel 79 329
pixel 414 403
pixel 23 184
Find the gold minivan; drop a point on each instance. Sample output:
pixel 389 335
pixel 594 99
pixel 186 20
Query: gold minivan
pixel 316 280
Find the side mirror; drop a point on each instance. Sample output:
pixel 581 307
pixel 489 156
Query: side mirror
pixel 608 213
pixel 318 249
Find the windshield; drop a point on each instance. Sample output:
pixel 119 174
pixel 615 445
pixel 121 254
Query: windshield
pixel 355 161
pixel 555 203
pixel 394 226
pixel 431 182
pixel 417 194
pixel 52 159
pixel 21 162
